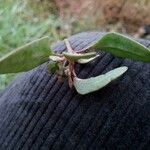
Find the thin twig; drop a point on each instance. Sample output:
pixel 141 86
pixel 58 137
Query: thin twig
pixel 69 48
pixel 70 72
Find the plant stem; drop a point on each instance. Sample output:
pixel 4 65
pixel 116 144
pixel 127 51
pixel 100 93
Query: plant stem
pixel 69 48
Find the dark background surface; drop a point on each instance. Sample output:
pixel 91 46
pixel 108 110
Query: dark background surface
pixel 39 112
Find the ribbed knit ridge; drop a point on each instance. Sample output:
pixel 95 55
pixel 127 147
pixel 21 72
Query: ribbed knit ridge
pixel 38 112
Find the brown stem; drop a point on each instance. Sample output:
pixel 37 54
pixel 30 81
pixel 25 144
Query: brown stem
pixel 70 72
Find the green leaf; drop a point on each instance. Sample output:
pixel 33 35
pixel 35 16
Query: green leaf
pixel 56 58
pixel 122 46
pixel 85 86
pixel 75 56
pixel 84 61
pixel 53 66
pixel 26 57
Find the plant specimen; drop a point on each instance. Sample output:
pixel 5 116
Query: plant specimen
pixel 63 64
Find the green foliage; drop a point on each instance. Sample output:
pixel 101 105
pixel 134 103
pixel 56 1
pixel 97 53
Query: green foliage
pixel 5 80
pixel 76 57
pixel 26 57
pixel 121 46
pixel 37 52
pixel 19 25
pixel 53 66
pixel 85 86
pixel 84 61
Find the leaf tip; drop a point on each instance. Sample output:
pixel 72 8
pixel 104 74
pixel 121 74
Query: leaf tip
pixel 124 69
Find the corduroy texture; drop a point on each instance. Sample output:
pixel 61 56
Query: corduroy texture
pixel 37 112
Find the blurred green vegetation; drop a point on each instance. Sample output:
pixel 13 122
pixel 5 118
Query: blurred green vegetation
pixel 19 25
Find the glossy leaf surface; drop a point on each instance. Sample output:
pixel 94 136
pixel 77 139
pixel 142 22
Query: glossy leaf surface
pixel 85 86
pixel 26 57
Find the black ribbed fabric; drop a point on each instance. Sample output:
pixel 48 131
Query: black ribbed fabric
pixel 37 112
